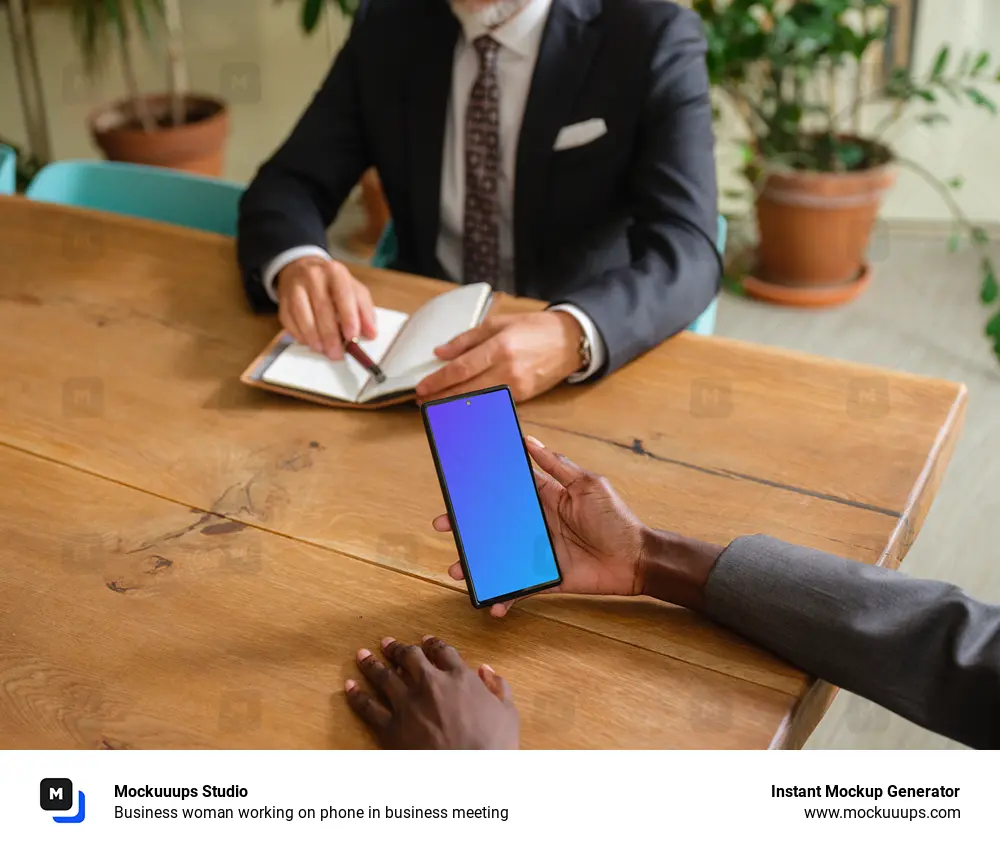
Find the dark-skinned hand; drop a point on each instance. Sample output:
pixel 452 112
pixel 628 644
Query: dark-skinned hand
pixel 426 697
pixel 598 540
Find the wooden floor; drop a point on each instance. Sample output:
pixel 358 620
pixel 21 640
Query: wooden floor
pixel 188 562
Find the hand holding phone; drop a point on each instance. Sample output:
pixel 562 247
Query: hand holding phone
pixel 503 541
pixel 599 542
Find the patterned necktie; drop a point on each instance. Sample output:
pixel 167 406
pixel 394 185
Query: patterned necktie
pixel 481 235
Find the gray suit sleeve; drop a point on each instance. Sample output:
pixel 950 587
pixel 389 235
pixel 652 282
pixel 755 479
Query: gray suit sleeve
pixel 922 649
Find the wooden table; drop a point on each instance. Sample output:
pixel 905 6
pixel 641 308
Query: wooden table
pixel 187 562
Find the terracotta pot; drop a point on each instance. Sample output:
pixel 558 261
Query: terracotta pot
pixel 363 242
pixel 197 146
pixel 815 226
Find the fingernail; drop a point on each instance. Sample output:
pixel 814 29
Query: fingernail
pixel 489 669
pixel 536 441
pixel 363 654
pixel 350 685
pixel 386 641
pixel 427 638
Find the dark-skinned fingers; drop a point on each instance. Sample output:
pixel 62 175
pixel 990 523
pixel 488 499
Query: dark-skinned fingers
pixel 442 655
pixel 385 681
pixel 406 657
pixel 560 467
pixel 500 609
pixel 369 709
pixel 456 572
pixel 495 683
pixel 441 523
pixel 549 489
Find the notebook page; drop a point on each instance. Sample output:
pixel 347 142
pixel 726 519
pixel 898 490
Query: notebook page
pixel 298 367
pixel 439 320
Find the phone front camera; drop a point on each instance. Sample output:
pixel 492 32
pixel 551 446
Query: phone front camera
pixel 467 403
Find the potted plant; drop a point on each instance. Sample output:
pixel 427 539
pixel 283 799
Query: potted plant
pixel 793 71
pixel 172 130
pixel 373 199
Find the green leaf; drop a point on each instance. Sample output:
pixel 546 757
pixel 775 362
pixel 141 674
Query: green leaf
pixel 734 194
pixel 932 119
pixel 954 243
pixel 980 236
pixel 956 183
pixel 993 328
pixel 941 62
pixel 311 10
pixel 980 99
pixel 981 62
pixel 991 288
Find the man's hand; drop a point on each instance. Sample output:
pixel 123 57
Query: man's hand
pixel 530 352
pixel 598 540
pixel 320 303
pixel 427 698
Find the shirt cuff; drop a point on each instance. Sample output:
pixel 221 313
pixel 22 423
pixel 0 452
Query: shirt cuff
pixel 598 354
pixel 274 267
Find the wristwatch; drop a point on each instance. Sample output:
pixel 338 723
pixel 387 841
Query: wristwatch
pixel 586 353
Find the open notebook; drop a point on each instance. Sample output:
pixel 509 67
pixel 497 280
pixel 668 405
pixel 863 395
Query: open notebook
pixel 404 349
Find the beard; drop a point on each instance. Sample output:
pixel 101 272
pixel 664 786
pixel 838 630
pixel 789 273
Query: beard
pixel 487 13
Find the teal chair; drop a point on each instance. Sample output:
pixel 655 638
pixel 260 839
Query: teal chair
pixel 160 194
pixel 705 323
pixel 385 253
pixel 8 170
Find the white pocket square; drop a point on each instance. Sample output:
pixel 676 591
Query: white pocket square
pixel 577 135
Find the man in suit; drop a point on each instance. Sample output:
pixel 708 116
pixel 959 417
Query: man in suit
pixel 922 649
pixel 557 149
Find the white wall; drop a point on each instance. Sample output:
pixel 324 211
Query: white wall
pixel 970 146
pixel 245 48
pixel 251 52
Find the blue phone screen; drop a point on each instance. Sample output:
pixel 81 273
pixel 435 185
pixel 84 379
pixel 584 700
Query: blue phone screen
pixel 492 491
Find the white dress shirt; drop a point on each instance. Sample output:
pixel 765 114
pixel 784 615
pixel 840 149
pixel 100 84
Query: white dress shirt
pixel 520 39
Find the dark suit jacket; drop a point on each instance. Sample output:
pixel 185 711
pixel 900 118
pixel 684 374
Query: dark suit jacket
pixel 922 649
pixel 624 227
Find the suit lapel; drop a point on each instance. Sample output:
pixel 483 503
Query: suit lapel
pixel 429 90
pixel 567 49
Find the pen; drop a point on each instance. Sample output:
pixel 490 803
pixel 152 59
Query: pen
pixel 352 348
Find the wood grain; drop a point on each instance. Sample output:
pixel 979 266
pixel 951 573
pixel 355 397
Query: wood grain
pixel 130 621
pixel 145 331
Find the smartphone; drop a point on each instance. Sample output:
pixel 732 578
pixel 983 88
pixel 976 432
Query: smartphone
pixel 503 541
